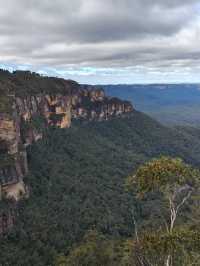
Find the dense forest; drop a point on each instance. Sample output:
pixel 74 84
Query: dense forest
pixel 83 209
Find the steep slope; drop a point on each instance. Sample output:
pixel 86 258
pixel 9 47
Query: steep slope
pixel 77 180
pixel 29 104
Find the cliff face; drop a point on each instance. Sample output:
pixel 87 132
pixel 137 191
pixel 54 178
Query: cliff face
pixel 30 103
pixel 92 104
pixel 13 162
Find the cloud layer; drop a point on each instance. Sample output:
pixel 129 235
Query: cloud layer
pixel 103 40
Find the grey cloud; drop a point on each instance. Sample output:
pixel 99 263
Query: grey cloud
pixel 94 21
pixel 98 33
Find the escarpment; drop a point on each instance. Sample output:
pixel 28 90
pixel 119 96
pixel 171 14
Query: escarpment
pixel 29 103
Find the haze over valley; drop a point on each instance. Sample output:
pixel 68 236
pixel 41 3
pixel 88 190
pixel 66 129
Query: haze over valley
pixel 171 104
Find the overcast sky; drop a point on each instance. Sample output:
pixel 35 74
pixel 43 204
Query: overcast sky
pixel 103 41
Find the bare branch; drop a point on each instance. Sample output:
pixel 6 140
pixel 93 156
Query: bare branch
pixel 183 201
pixel 135 225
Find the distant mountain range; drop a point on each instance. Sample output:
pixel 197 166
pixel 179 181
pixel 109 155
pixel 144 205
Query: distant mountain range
pixel 171 104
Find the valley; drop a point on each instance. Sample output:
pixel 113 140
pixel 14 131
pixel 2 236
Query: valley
pixel 73 175
pixel 170 104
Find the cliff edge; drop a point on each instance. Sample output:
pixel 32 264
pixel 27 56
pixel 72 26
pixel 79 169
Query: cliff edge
pixel 29 103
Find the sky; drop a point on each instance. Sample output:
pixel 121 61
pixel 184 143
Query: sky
pixel 103 41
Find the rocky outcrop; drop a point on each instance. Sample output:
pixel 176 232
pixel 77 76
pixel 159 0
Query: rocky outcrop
pixel 13 161
pixel 45 102
pixel 32 113
pixel 93 104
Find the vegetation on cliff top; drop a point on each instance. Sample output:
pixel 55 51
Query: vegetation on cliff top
pixel 23 83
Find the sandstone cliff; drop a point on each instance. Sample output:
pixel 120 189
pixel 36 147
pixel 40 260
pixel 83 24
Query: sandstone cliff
pixel 30 103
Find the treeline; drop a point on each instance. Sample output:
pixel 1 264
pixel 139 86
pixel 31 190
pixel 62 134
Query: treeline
pixel 23 83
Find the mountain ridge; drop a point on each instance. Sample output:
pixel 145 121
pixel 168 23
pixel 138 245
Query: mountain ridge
pixel 174 104
pixel 75 179
pixel 29 103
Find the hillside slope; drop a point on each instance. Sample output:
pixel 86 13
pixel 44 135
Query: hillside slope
pixel 77 180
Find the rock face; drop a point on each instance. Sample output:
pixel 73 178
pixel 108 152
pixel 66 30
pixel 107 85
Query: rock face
pixel 30 103
pixel 92 104
pixel 13 162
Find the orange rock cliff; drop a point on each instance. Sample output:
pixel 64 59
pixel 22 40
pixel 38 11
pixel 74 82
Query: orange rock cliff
pixel 28 104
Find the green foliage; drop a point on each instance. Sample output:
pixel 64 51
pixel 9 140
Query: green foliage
pixel 26 83
pixel 23 83
pixel 152 249
pixel 38 122
pixel 162 174
pixel 76 182
pixel 56 118
pixel 183 244
pixel 6 103
pixel 169 183
pixel 99 250
pixel 177 182
pixel 5 206
pixel 95 249
pixel 6 160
